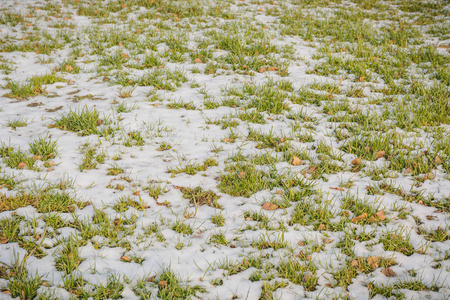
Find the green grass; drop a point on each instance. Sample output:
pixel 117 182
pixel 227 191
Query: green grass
pixel 84 121
pixel 333 121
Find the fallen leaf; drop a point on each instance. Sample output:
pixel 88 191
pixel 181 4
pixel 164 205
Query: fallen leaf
pixel 321 227
pixel 163 283
pixel 437 160
pixel 136 193
pixel 177 187
pixel 359 218
pixel 28 24
pixel 429 176
pixel 124 55
pixel 296 161
pixel 388 272
pixel 301 243
pixel 3 240
pixel 51 163
pixel 279 192
pixel 151 279
pixel 311 169
pixel 408 171
pixel 356 161
pixel 380 154
pixel 269 206
pixel 372 261
pixel 198 61
pixel 380 215
pixel 22 165
pixel 242 174
pixel 272 68
pixel 354 263
pixel 123 5
pixel 99 122
pixel 38 157
pixel 262 70
pixel 327 241
pixel 337 188
pixel 120 44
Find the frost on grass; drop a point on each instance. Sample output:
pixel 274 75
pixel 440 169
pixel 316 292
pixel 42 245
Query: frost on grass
pixel 224 149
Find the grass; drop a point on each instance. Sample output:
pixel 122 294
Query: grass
pixel 280 144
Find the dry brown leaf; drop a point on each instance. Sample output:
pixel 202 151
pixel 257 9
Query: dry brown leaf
pixel 198 61
pixel 356 161
pixel 322 227
pixel 124 55
pixel 262 70
pixel 272 68
pixel 408 171
pixel 69 68
pixel 162 283
pixel 429 176
pixel 296 161
pixel 22 165
pixel 380 215
pixel 359 218
pixel 380 154
pixel 311 169
pixel 279 192
pixel 372 261
pixel 120 44
pixel 354 263
pixel 51 163
pixel 3 240
pixel 242 174
pixel 337 188
pixel 327 241
pixel 125 258
pixel 388 272
pixel 438 160
pixel 301 243
pixel 269 206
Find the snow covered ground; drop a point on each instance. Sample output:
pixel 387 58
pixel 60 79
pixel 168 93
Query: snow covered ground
pixel 224 149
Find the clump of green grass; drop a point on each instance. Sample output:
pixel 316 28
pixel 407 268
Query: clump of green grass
pixel 44 202
pixel 193 168
pixel 20 122
pixel 68 259
pixel 44 148
pixel 91 158
pixel 20 282
pixel 84 121
pixel 394 241
pixel 169 286
pixel 198 197
pixel 33 87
